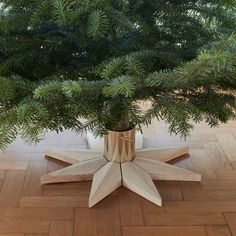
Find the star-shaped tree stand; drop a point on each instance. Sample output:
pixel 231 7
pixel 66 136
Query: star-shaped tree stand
pixel 107 176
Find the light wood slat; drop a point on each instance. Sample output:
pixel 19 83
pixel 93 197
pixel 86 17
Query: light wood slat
pixel 228 144
pixel 57 201
pixel 32 185
pixel 13 165
pixel 73 156
pixel 202 164
pixel 207 195
pixel 13 214
pixel 139 181
pixel 182 207
pixel 29 226
pixel 218 230
pixel 185 219
pixel 105 181
pixel 217 157
pixel 76 172
pixel 85 222
pixel 130 208
pixel 61 228
pixel 170 191
pixel 231 220
pixel 11 188
pixel 162 171
pixel 108 219
pixel 163 155
pixel 226 174
pixel 165 231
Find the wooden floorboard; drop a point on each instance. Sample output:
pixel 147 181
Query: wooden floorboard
pixel 189 209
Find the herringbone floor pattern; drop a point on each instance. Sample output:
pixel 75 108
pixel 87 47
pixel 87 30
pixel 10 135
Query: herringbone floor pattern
pixel 190 209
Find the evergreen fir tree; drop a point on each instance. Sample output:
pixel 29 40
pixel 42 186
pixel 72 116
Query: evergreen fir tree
pixel 63 60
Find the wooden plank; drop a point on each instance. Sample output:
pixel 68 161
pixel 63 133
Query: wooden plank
pixel 2 177
pixel 13 165
pixel 13 214
pixel 32 185
pixel 165 231
pixel 207 195
pixel 231 220
pixel 163 171
pixel 105 181
pixel 217 156
pixel 108 223
pixel 228 144
pixel 223 184
pixel 226 174
pixel 151 208
pixel 187 207
pixel 185 219
pixel 162 154
pixel 61 228
pixel 170 191
pixel 11 189
pixel 85 222
pixel 77 172
pixel 217 230
pixel 73 156
pixel 130 208
pixel 13 235
pixel 29 226
pixel 67 189
pixel 41 234
pixel 139 181
pixel 57 201
pixel 202 164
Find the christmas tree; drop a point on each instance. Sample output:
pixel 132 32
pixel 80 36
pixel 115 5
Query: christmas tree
pixel 86 64
pixel 67 64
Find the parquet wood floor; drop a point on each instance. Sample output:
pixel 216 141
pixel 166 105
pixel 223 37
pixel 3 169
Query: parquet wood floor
pixel 190 209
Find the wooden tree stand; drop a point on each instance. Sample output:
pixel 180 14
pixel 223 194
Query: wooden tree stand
pixel 120 165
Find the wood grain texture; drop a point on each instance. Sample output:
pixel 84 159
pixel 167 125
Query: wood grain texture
pixel 57 201
pixel 162 154
pixel 218 230
pixel 72 156
pixel 130 208
pixel 36 214
pixel 61 228
pixel 165 231
pixel 139 181
pixel 86 222
pixel 105 181
pixel 11 188
pixel 185 219
pixel 32 185
pixel 231 220
pixel 13 165
pixel 228 144
pixel 29 226
pixel 81 171
pixel 162 171
pixel 202 164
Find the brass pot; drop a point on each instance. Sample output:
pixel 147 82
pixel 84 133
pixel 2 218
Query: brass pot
pixel 119 146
